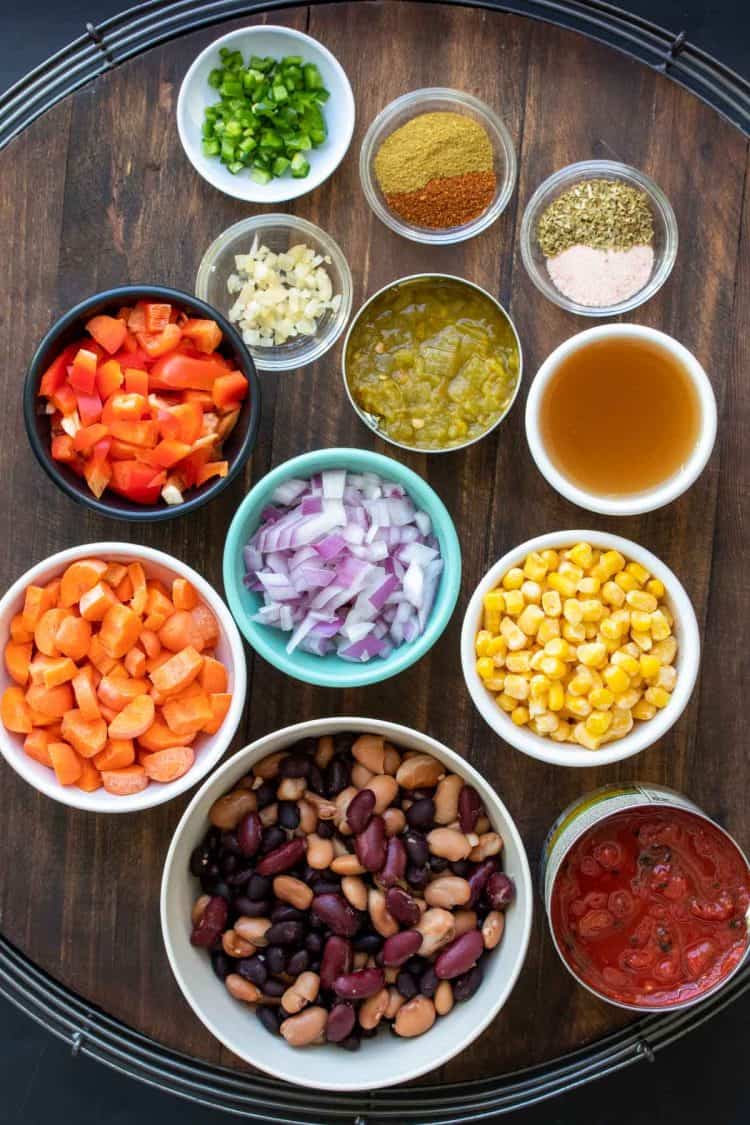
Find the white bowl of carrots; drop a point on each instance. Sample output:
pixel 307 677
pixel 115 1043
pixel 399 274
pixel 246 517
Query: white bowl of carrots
pixel 123 678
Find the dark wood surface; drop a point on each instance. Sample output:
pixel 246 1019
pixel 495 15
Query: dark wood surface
pixel 98 192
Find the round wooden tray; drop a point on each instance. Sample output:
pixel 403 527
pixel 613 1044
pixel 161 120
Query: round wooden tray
pixel 98 192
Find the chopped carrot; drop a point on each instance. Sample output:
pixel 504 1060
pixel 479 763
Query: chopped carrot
pixel 90 779
pixel 14 711
pixel 39 666
pixel 101 659
pixel 73 637
pixel 36 602
pixel 80 576
pixel 184 595
pixel 168 765
pixel 40 720
pixel 53 591
pixel 125 782
pixel 213 675
pixel 59 671
pixel 156 662
pixel 52 702
pixel 116 755
pixel 220 702
pixel 85 694
pixel 139 596
pixel 87 736
pixel 176 673
pixel 135 662
pixel 160 737
pixel 124 589
pixel 96 601
pixel 36 746
pixel 17 660
pixel 188 715
pixel 65 762
pixel 115 573
pixel 19 631
pixel 45 631
pixel 108 714
pixel 179 632
pixel 205 626
pixel 116 691
pixel 119 630
pixel 134 719
pixel 158 607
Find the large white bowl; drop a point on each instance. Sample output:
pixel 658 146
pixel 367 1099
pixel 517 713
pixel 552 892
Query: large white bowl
pixel 196 95
pixel 643 734
pixel 209 748
pixel 385 1060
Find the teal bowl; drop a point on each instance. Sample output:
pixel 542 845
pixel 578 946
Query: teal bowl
pixel 331 670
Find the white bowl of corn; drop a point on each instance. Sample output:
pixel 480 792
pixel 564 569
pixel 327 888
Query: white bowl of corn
pixel 580 648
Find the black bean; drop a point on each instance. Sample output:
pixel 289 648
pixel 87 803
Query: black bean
pixel 367 943
pixel 251 907
pixel 325 829
pixel 228 863
pixel 220 888
pixel 294 765
pixel 337 775
pixel 285 933
pixel 283 912
pixel 200 859
pixel 327 887
pixel 298 963
pixel 416 848
pixel 421 814
pixel 230 843
pixel 240 876
pixel 275 959
pixel 316 923
pixel 461 867
pixel 428 982
pixel 343 742
pixel 416 965
pixel 274 988
pixel 314 943
pixel 315 780
pixel 406 985
pixel 438 864
pixel 466 985
pixel 213 839
pixel 268 1017
pixel 351 1043
pixel 265 794
pixel 288 814
pixel 273 837
pixel 221 964
pixel 368 1032
pixel 253 969
pixel 260 886
pixel 417 877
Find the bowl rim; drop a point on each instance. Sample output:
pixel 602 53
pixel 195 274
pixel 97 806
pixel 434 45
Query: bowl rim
pixel 159 794
pixel 297 188
pixel 637 503
pixel 450 235
pixel 419 277
pixel 350 674
pixel 642 736
pixel 255 751
pixel 585 170
pixel 255 223
pixel 144 513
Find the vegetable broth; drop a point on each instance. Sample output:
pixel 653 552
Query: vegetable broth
pixel 619 417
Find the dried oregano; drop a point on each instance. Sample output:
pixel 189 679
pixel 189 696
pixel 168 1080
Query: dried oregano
pixel 605 214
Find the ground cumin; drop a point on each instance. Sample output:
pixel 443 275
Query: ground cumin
pixel 449 201
pixel 429 146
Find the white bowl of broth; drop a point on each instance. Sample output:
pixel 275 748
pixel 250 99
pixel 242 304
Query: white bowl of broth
pixel 621 419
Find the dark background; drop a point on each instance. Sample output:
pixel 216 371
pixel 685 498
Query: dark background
pixel 701 1078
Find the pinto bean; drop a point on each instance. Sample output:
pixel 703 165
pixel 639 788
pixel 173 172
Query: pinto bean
pixel 449 844
pixel 326 809
pixel 419 772
pixel 361 775
pixel 385 789
pixel 242 989
pixel 347 864
pixel 228 811
pixel 355 891
pixel 394 821
pixel 199 906
pixel 465 920
pixel 492 929
pixel 443 998
pixel 383 922
pixel 294 891
pixel 291 788
pixel 391 759
pixel 269 815
pixel 268 767
pixel 414 1017
pixel 319 852
pixel 446 798
pixel 324 751
pixel 342 802
pixel 236 946
pixel 488 844
pixel 303 991
pixel 253 930
pixel 437 926
pixel 308 817
pixel 373 1009
pixel 482 825
pixel 447 891
pixel 369 749
pixel 395 1001
pixel 305 1028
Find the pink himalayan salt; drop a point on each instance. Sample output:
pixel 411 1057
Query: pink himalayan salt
pixel 597 278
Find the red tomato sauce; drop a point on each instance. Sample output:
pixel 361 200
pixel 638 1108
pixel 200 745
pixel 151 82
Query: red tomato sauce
pixel 649 907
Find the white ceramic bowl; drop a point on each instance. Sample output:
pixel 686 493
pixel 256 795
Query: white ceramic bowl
pixel 196 95
pixel 635 503
pixel 643 734
pixel 385 1060
pixel 209 748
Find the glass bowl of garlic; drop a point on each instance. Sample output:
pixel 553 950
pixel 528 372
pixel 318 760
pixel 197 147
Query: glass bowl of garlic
pixel 284 284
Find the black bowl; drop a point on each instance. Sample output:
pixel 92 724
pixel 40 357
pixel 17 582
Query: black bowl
pixel 236 450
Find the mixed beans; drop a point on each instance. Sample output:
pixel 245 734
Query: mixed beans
pixel 346 883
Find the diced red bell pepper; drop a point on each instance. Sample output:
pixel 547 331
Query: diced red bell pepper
pixel 136 381
pixel 64 400
pixel 137 433
pixel 62 448
pixel 178 372
pixel 124 407
pixel 109 378
pixel 56 374
pixel 135 358
pixel 192 465
pixel 137 318
pixel 160 343
pixel 89 407
pixel 168 452
pixel 108 331
pixel 203 398
pixel 137 482
pixel 204 334
pixel 88 436
pixel 124 451
pixel 98 469
pixel 82 376
pixel 212 469
pixel 189 421
pixel 169 424
pixel 157 316
pixel 229 390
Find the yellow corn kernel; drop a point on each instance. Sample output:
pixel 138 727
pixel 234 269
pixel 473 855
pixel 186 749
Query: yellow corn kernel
pixel 570 570
pixel 591 630
pixel 643 641
pixel 530 620
pixel 514 603
pixel 667 678
pixel 650 666
pixel 497 649
pixel 596 677
pixel 552 603
pixel 582 555
pixel 655 586
pixel 611 646
pixel 494 601
pixel 517 687
pixel 537 657
pixel 666 650
pixel 589 586
pixel 626 581
pixel 514 638
pixel 610 630
pixel 536 707
pixel 582 682
pixel 643 710
pixel 576 634
pixel 639 572
pixel 557 646
pixel 518 661
pixel 561 733
pixel 608 565
pixel 612 594
pixel 577 705
pixel 668 614
pixel 584 737
pixel 546 723
pixel 532 592
pixel 495 683
pixel 639 599
pixel 520 716
pixel 615 676
pixel 631 648
pixel 550 558
pixel 640 622
pixel 626 700
pixel 556 697
pixel 506 702
pixel 548 629
pixel 593 655
pixel 485 667
pixel 622 723
pixel 513 580
pixel 535 567
pixel 658 697
pixel 564 585
pixel 572 611
pixel 482 642
pixel 592 609
pixel 552 667
pixel 599 723
pixel 601 698
pixel 539 686
pixel 660 626
pixel 630 664
pixel 636 681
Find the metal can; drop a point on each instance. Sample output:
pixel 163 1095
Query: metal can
pixel 591 810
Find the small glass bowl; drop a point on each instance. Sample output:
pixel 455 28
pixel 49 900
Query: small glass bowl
pixel 437 99
pixel 278 233
pixel 664 244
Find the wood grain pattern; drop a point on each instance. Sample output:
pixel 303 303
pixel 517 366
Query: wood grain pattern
pixel 98 192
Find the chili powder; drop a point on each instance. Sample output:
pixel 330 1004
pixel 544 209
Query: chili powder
pixel 448 201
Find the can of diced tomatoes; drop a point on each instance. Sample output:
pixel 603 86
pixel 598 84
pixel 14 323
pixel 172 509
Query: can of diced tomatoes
pixel 647 898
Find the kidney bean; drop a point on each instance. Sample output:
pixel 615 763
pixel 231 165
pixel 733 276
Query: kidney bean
pixel 500 890
pixel 360 810
pixel 274 989
pixel 394 868
pixel 477 880
pixel 268 1016
pixel 275 959
pixel 273 837
pixel 369 749
pixel 341 1020
pixel 447 891
pixel 417 848
pixel 288 814
pixel 285 933
pixel 443 999
pixel 282 858
pixel 373 1009
pixel 253 929
pixel 227 812
pixel 464 920
pixel 254 969
pixel 402 906
pixel 305 1028
pixel 200 858
pixel 221 964
pixel 337 960
pixel 370 943
pixel 448 843
pixel 414 1017
pixel 252 908
pixel 437 927
pixel 417 877
pixel 359 985
pixel 470 808
pixel 459 956
pixel 242 989
pixel 336 776
pixel 370 845
pixel 466 985
pixel 336 913
pixel 406 985
pixel 211 923
pixel 401 946
pixel 421 814
pixel 293 891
